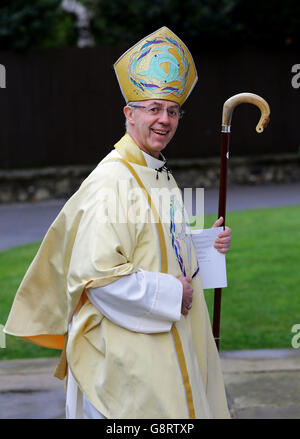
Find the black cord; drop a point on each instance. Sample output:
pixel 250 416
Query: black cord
pixel 163 168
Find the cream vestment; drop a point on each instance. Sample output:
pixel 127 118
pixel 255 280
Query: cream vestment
pixel 93 242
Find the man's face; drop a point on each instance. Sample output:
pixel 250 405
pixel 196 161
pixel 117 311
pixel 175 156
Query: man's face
pixel 152 127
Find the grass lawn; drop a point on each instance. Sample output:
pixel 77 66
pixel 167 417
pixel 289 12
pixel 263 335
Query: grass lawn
pixel 262 300
pixel 13 265
pixel 260 304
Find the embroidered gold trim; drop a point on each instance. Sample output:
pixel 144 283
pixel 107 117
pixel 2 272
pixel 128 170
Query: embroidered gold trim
pixel 184 372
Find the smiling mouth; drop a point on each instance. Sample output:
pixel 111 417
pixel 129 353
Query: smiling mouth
pixel 160 132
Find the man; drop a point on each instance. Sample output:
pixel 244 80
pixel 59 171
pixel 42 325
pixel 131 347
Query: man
pixel 115 286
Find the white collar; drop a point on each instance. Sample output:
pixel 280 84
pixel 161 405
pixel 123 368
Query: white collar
pixel 153 162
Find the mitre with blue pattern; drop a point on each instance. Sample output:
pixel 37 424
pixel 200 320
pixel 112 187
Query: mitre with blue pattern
pixel 159 66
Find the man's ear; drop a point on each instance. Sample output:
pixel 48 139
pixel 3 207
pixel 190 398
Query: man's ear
pixel 128 112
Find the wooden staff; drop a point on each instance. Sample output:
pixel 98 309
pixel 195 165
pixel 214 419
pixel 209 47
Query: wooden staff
pixel 228 108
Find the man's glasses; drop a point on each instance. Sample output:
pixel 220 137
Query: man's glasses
pixel 157 110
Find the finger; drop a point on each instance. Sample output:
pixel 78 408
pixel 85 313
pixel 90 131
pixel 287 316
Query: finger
pixel 187 300
pixel 187 308
pixel 222 244
pixel 222 249
pixel 184 310
pixel 219 222
pixel 226 232
pixel 223 241
pixel 223 236
pixel 189 290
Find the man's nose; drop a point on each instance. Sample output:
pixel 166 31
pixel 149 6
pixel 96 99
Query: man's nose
pixel 164 116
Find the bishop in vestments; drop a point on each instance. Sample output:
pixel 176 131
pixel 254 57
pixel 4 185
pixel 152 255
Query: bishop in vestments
pixel 115 283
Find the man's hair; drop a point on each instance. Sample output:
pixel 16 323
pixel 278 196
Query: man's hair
pixel 128 104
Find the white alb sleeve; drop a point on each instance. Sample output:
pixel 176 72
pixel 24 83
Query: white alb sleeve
pixel 144 301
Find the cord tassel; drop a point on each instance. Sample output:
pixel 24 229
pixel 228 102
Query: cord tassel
pixel 163 168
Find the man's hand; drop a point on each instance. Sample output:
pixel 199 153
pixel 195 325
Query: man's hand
pixel 187 294
pixel 222 242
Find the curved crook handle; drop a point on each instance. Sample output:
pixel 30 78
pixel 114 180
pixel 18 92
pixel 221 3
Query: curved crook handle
pixel 246 98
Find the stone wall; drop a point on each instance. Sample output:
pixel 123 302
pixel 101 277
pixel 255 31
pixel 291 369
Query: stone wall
pixel 257 170
pixel 61 182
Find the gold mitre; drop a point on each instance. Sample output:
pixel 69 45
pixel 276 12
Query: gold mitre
pixel 159 66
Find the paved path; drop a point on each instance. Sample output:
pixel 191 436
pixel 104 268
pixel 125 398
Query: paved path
pixel 28 390
pixel 252 197
pixel 263 384
pixel 259 385
pixel 22 223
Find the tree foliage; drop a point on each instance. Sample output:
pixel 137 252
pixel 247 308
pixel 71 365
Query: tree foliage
pixel 191 19
pixel 34 24
pixel 202 23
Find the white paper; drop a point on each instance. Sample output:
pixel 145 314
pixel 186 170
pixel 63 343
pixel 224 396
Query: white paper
pixel 212 263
